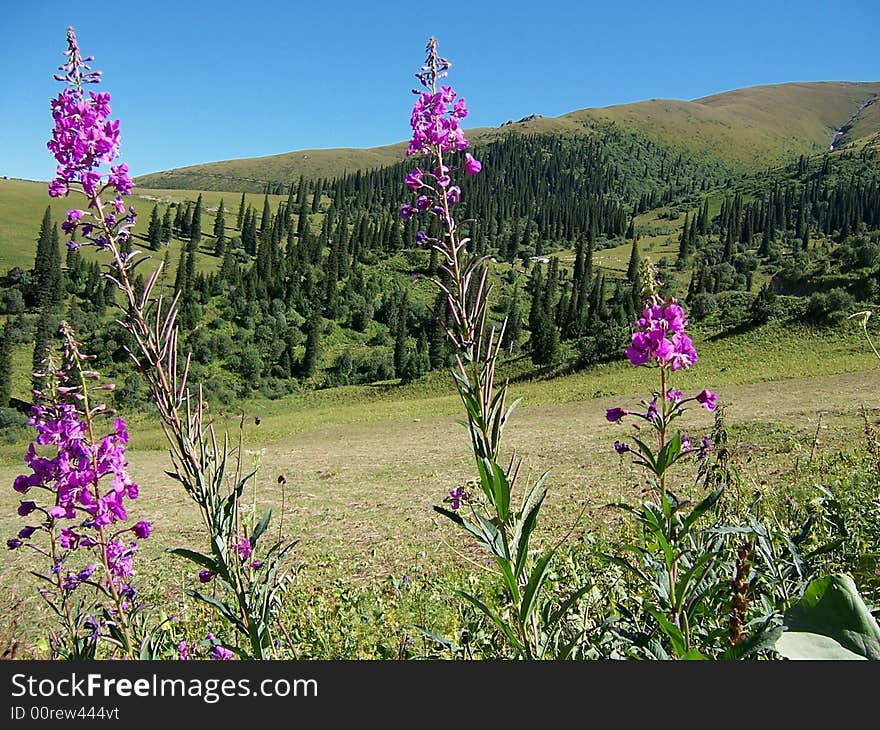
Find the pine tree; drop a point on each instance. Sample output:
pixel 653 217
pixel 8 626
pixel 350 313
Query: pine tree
pixel 684 248
pixel 220 231
pixel 154 230
pixel 313 343
pixel 195 225
pixel 241 211
pixel 266 218
pixel 167 226
pixel 43 258
pixel 6 364
pixel 632 270
pixel 180 280
pixel 513 330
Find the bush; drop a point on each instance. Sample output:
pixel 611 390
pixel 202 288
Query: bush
pixel 829 308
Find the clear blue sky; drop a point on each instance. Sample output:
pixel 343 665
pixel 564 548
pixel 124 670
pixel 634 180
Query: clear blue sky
pixel 194 82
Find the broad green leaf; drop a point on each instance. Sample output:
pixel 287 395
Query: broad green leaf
pixel 805 645
pixel 832 608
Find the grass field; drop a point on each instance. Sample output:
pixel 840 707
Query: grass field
pixel 23 202
pixel 364 464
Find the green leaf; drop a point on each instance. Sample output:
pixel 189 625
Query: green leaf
pixel 700 509
pixel 805 645
pixel 533 587
pixel 523 532
pixel 196 558
pixel 671 630
pixel 832 610
pixel 762 639
pixel 261 527
pixel 483 608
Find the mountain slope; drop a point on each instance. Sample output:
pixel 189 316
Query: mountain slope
pixel 745 129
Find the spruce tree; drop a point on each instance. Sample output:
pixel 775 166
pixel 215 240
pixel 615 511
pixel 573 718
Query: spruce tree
pixel 220 222
pixel 43 259
pixel 313 343
pixel 167 226
pixel 195 225
pixel 154 230
pixel 241 211
pixel 632 270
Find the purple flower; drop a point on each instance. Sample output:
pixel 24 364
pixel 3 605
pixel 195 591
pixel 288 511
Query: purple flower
pixel 660 338
pixel 615 414
pixel 221 654
pixel 675 396
pixel 205 576
pixel 472 166
pixel 217 651
pixel 25 508
pixel 652 414
pixel 25 532
pixel 256 564
pixel 142 529
pixel 620 447
pixel 414 179
pixel 243 547
pixel 453 195
pixel 407 211
pixel 13 543
pixel 705 447
pixel 457 496
pixel 707 398
pixel 182 651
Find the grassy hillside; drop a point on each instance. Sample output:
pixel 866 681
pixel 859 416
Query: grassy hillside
pixel 747 129
pixel 22 203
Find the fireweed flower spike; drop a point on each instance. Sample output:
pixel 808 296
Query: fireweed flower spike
pixel 463 281
pixel 81 486
pixel 660 340
pixel 85 141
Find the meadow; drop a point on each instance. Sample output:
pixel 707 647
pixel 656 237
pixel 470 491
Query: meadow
pixel 364 464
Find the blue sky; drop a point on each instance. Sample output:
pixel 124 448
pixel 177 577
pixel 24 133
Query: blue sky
pixel 194 82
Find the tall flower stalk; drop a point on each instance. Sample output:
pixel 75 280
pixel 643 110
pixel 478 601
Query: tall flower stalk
pixel 81 516
pixel 675 564
pixel 525 622
pixel 85 142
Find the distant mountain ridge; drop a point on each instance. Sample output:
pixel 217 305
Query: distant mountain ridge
pixel 744 129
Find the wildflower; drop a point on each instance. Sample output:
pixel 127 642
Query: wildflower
pixel 674 396
pixel 25 508
pixel 205 576
pixel 142 529
pixel 457 496
pixel 707 399
pixel 222 654
pixel 243 547
pixel 182 651
pixel 472 166
pixel 615 414
pixel 414 179
pixel 620 447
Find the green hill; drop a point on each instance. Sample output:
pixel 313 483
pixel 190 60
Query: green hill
pixel 746 129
